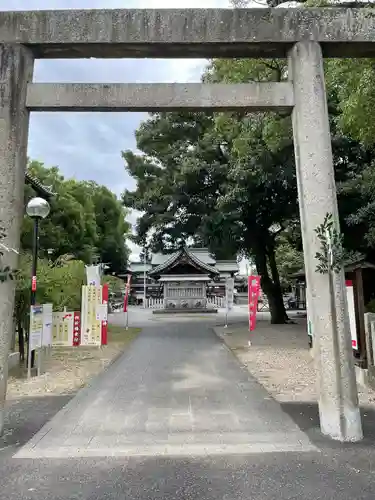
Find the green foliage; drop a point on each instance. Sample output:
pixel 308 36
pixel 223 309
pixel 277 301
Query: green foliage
pixel 332 254
pixel 58 283
pixel 358 199
pixel 289 259
pixel 86 220
pixel 352 79
pixel 222 179
pixel 370 306
pixel 115 285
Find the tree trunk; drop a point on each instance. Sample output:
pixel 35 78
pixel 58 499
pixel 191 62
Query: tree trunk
pixel 278 291
pixel 272 290
pixel 275 301
pixel 13 340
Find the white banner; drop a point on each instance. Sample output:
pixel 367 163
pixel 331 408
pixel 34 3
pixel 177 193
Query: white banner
pixel 229 293
pixel 351 310
pixel 47 325
pixel 93 275
pixel 36 327
pixel 102 312
pixel 91 327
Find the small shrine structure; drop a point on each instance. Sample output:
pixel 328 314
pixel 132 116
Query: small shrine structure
pixel 185 278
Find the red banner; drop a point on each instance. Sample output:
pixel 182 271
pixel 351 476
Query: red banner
pixel 77 329
pixel 105 322
pixel 33 284
pixel 253 296
pixel 127 291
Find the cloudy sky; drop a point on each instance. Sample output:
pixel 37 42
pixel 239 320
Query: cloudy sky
pixel 88 145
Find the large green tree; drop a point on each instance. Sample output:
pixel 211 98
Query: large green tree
pixel 223 179
pixel 86 220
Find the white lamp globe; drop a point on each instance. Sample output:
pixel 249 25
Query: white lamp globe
pixel 38 207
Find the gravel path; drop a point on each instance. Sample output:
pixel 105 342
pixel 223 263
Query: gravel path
pixel 280 358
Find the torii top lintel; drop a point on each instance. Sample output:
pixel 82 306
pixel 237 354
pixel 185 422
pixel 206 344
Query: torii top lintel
pixel 189 33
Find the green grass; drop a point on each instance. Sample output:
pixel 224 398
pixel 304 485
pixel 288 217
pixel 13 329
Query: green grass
pixel 119 335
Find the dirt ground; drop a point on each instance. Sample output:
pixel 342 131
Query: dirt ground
pixel 279 358
pixel 68 369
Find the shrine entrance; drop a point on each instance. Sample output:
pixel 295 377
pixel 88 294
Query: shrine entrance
pixel 185 278
pixel 302 36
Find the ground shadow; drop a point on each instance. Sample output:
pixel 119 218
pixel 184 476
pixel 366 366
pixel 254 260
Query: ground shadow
pixel 306 416
pixel 24 417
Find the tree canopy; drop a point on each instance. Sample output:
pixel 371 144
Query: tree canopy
pixel 86 220
pixel 224 180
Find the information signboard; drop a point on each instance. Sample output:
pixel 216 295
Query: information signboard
pixel 91 327
pixel 229 293
pixel 36 327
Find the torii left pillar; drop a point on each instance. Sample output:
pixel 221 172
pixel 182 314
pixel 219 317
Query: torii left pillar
pixel 16 70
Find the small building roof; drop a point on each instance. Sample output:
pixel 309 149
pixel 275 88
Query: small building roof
pixel 160 258
pixel 38 187
pixel 350 266
pixel 227 266
pixel 139 267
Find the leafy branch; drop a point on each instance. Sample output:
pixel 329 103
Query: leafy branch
pixel 332 254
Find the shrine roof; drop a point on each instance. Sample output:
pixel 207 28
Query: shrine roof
pixel 202 254
pixel 190 256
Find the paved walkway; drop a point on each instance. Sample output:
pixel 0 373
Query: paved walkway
pixel 176 392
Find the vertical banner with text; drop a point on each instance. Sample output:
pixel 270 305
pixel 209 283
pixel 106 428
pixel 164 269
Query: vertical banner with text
pixel 47 325
pixel 91 326
pixel 127 292
pixel 103 316
pixel 253 296
pixel 62 328
pixel 229 293
pixel 76 328
pixel 351 310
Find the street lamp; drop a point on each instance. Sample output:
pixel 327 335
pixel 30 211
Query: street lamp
pixel 37 209
pixel 144 277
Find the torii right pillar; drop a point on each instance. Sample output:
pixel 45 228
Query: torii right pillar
pixel 337 389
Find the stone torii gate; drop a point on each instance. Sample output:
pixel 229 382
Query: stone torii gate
pixel 303 36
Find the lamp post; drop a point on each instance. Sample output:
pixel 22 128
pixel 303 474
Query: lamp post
pixel 37 209
pixel 144 277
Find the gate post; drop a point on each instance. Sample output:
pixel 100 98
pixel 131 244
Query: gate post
pixel 337 390
pixel 16 70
